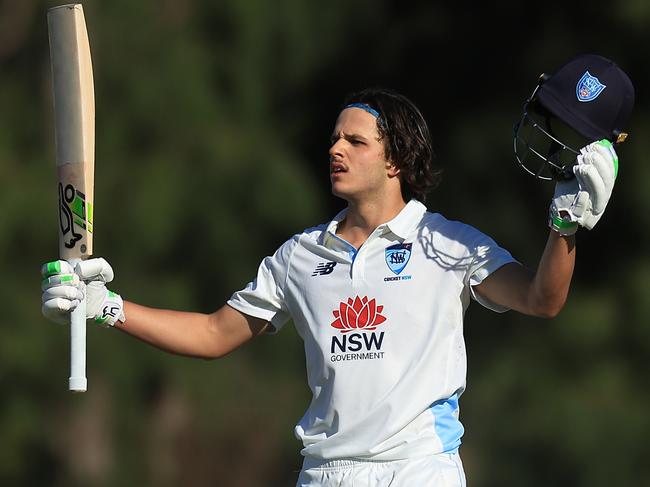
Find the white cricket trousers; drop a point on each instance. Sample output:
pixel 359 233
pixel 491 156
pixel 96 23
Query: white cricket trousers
pixel 442 470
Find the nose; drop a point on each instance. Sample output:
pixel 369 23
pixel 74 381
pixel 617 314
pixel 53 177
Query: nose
pixel 335 148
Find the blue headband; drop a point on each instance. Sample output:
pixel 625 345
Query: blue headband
pixel 365 107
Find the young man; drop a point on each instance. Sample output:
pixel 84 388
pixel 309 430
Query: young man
pixel 378 296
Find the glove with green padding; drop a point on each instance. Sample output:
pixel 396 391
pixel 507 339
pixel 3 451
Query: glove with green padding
pixel 63 288
pixel 582 200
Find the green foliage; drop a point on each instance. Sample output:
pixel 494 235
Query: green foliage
pixel 212 122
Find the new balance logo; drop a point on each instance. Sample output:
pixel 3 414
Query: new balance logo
pixel 324 268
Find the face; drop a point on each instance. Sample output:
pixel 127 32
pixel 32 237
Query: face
pixel 358 167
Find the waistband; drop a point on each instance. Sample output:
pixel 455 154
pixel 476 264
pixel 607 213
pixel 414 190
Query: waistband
pixel 340 463
pixel 346 463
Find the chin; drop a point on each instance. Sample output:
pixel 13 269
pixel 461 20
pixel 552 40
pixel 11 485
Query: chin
pixel 339 192
pixel 348 197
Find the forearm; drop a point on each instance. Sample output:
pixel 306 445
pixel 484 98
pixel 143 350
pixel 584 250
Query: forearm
pixel 179 332
pixel 550 285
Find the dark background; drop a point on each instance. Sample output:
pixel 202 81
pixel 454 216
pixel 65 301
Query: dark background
pixel 213 120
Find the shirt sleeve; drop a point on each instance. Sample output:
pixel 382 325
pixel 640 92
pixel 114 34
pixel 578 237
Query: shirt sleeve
pixel 486 257
pixel 264 296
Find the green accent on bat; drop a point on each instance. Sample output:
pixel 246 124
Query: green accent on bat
pixel 90 208
pixel 53 268
pixel 80 223
pixel 111 294
pixel 78 207
pixel 90 227
pixel 608 144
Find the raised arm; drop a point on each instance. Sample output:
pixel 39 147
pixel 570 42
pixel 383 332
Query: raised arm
pixel 579 201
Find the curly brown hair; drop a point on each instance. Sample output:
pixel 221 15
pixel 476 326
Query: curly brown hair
pixel 406 138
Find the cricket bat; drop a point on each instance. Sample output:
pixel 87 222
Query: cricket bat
pixel 74 112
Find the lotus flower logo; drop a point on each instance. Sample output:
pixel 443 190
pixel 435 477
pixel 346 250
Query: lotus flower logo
pixel 358 314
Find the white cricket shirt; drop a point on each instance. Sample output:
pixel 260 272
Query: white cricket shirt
pixel 382 330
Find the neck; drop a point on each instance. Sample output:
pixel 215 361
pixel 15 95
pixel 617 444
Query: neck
pixel 362 218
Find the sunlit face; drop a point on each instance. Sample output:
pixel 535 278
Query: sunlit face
pixel 358 167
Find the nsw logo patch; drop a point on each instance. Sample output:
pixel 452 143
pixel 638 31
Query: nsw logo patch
pixel 589 87
pixel 397 256
pixel 358 314
pixel 356 320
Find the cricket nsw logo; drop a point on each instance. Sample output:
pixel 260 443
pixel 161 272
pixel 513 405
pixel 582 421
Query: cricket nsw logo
pixel 589 87
pixel 397 257
pixel 358 314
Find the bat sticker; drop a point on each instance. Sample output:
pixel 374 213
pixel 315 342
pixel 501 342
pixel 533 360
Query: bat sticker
pixel 73 210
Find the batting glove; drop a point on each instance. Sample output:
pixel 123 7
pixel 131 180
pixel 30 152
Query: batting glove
pixel 582 200
pixel 64 287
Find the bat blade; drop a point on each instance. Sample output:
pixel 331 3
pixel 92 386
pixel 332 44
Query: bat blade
pixel 74 112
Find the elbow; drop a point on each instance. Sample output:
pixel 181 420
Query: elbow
pixel 547 303
pixel 212 354
pixel 548 313
pixel 549 309
pixel 209 357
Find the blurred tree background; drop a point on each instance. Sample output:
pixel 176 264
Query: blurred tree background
pixel 213 120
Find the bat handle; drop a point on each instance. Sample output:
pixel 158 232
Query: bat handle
pixel 78 381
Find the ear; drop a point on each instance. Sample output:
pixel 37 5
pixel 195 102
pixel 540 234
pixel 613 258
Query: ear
pixel 392 170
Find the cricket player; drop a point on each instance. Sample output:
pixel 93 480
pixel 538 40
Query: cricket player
pixel 378 296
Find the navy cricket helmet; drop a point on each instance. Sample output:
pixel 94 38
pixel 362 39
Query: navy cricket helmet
pixel 587 99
